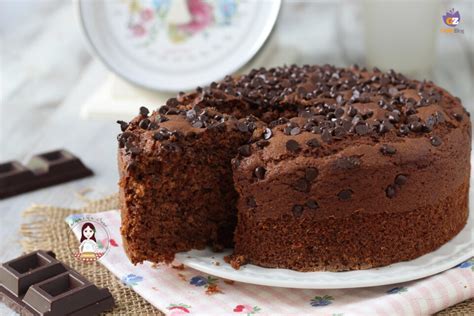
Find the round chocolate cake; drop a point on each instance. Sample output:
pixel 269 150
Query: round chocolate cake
pixel 305 168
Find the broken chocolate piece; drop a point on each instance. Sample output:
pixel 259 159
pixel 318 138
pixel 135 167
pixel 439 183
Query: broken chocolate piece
pixel 42 171
pixel 39 284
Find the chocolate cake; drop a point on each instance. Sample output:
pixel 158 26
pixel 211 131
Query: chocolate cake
pixel 305 168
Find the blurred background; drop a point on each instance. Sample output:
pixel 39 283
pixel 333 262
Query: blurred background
pixel 56 94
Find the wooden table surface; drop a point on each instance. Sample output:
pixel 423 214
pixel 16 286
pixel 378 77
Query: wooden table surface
pixel 28 126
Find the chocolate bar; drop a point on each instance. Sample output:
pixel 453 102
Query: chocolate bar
pixel 39 284
pixel 41 171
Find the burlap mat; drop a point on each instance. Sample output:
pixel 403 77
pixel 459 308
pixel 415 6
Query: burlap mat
pixel 46 229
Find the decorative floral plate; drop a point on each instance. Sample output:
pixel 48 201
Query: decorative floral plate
pixel 174 45
pixel 459 249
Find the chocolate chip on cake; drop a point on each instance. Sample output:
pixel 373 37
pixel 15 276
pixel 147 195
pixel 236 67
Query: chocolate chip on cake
pixel 326 136
pixel 361 129
pixel 297 210
pixel 312 204
pixel 313 142
pixel 388 150
pixel 401 179
pixel 339 112
pixel 161 119
pixel 292 146
pixel 295 131
pixel 244 150
pixel 352 111
pixel 241 126
pixel 393 91
pixel 390 191
pixel 385 127
pixel 163 109
pixel 458 117
pixel 345 195
pixel 134 149
pixel 158 136
pixel 123 125
pixel 404 129
pixel 436 141
pixel 339 132
pixel 198 124
pixel 251 201
pixel 260 172
pixel 173 102
pixel 301 185
pixel 153 126
pixel 416 127
pixel 144 123
pixel 191 115
pixel 144 111
pixel 310 174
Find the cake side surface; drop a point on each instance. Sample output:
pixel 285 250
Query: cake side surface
pixel 338 213
pixel 363 200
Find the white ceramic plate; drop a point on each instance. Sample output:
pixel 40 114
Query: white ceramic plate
pixel 177 45
pixel 459 249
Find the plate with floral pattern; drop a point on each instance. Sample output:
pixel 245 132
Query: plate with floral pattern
pixel 457 250
pixel 177 45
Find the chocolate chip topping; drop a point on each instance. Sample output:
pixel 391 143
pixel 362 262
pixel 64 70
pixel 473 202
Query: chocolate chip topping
pixel 436 141
pixel 458 117
pixel 388 150
pixel 241 126
pixel 401 179
pixel 144 123
pixel 144 111
pixel 123 125
pixel 345 195
pixel 198 124
pixel 292 146
pixel 362 129
pixel 297 210
pixel 245 150
pixel 326 136
pixel 313 142
pixel 295 131
pixel 158 136
pixel 301 185
pixel 338 105
pixel 312 204
pixel 390 191
pixel 251 202
pixel 310 174
pixel 260 172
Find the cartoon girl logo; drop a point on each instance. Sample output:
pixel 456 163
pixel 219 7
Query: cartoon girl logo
pixel 88 247
pixel 94 241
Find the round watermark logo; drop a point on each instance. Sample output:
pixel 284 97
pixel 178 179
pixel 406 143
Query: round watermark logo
pixel 452 18
pixel 94 238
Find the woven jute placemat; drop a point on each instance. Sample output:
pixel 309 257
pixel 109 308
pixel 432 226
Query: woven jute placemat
pixel 45 228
